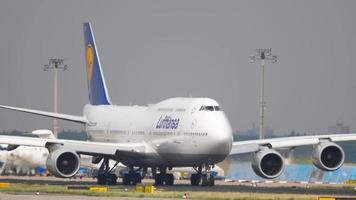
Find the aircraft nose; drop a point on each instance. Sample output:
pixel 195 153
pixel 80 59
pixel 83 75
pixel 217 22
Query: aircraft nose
pixel 222 135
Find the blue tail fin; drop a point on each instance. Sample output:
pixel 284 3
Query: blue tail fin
pixel 98 94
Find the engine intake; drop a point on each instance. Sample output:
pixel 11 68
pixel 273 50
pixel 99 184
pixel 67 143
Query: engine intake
pixel 268 163
pixel 328 156
pixel 63 163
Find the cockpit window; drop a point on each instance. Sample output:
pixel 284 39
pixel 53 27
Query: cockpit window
pixel 210 108
pixel 202 108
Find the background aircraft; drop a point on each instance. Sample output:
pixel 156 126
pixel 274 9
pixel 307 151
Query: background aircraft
pixel 23 160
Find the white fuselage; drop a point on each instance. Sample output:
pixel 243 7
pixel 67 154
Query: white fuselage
pixel 179 131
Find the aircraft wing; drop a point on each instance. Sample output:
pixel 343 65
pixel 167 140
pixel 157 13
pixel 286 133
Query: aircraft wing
pixel 249 146
pixel 73 118
pixel 81 147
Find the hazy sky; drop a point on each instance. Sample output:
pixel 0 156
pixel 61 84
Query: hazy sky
pixel 152 50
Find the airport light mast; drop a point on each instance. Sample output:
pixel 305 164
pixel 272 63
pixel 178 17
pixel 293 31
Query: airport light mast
pixel 263 55
pixel 55 64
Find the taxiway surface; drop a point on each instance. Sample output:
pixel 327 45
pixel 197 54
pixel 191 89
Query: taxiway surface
pixel 221 186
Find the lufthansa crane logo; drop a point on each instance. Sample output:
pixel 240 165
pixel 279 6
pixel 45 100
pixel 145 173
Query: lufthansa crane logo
pixel 90 61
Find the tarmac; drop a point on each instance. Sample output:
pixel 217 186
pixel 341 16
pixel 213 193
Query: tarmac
pixel 61 197
pixel 183 186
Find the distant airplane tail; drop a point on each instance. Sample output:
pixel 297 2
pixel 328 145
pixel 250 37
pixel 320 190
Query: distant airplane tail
pixel 98 94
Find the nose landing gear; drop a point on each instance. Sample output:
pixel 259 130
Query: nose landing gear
pixel 195 179
pixel 207 180
pixel 203 176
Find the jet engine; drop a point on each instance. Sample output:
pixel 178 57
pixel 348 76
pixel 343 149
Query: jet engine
pixel 267 163
pixel 63 163
pixel 328 156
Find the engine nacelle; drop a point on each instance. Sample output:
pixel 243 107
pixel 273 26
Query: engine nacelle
pixel 268 163
pixel 63 163
pixel 328 156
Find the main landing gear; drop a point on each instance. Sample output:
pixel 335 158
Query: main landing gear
pixel 203 176
pixel 163 178
pixel 133 177
pixel 105 177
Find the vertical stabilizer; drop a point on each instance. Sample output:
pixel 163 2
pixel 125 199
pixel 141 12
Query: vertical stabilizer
pixel 98 94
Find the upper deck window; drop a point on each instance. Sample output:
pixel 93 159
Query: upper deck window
pixel 210 108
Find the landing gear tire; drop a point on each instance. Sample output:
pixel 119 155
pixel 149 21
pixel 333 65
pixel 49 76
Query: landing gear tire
pixel 207 182
pixel 109 179
pixel 101 180
pixel 195 179
pixel 136 178
pixel 126 179
pixel 112 179
pixel 131 179
pixel 211 181
pixel 204 180
pixel 169 179
pixel 159 179
pixel 105 177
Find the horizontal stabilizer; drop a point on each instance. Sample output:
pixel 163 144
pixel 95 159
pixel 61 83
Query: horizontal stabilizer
pixel 73 118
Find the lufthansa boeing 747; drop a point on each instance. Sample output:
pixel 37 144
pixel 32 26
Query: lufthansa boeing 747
pixel 176 132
